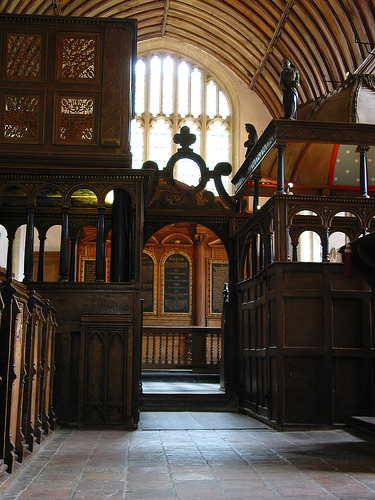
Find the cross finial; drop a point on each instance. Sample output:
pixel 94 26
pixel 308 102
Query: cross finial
pixel 184 138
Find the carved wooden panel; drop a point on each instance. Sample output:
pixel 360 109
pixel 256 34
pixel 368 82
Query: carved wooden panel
pixel 107 370
pixel 24 56
pixel 64 83
pixel 76 119
pixel 21 116
pixel 79 57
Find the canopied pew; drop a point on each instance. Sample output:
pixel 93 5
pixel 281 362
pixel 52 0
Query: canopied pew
pixel 27 337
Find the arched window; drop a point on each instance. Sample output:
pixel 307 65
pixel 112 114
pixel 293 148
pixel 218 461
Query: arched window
pixel 171 92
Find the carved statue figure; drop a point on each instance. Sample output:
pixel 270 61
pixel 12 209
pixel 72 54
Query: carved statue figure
pixel 252 138
pixel 289 81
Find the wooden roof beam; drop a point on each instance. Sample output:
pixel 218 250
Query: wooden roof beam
pixel 273 42
pixel 165 17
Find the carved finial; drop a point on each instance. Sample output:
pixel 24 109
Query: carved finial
pixel 185 138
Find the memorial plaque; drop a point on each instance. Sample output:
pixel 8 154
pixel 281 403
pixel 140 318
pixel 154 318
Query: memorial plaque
pixel 218 276
pixel 177 284
pixel 148 273
pixel 89 270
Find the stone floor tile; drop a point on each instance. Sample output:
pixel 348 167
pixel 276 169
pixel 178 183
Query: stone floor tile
pixel 238 462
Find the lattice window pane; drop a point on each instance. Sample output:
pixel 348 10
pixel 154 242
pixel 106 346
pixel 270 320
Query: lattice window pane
pixel 21 117
pixel 217 150
pixel 196 92
pixel 223 105
pixel 24 56
pixel 160 143
pixel 183 89
pixel 155 85
pixel 78 56
pixel 217 144
pixel 137 132
pixel 168 69
pixel 76 119
pixel 140 72
pixel 211 99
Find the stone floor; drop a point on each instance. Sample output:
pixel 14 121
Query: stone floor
pixel 209 456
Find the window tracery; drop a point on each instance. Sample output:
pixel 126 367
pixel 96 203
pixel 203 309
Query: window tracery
pixel 172 92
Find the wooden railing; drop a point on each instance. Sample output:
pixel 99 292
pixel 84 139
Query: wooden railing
pixel 191 347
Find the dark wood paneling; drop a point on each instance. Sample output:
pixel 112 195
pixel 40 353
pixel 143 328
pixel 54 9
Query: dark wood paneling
pixel 309 361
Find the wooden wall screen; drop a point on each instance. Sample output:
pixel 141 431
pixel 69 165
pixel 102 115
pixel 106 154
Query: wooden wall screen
pixel 305 335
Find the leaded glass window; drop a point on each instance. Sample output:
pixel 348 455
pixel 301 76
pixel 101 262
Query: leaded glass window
pixel 171 92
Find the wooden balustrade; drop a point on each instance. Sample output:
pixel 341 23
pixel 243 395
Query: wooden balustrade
pixel 191 347
pixel 27 332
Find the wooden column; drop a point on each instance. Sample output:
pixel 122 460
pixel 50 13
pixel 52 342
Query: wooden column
pixel 9 271
pixel 256 178
pixel 254 255
pixel 72 260
pixel 294 252
pixel 325 245
pixel 362 150
pixel 64 245
pixel 120 266
pixel 100 247
pixel 200 280
pixel 270 248
pixel 29 246
pixel 280 167
pixel 42 241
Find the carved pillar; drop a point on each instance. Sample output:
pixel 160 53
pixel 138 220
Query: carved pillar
pixel 270 248
pixel 362 150
pixel 72 261
pixel 295 252
pixel 10 254
pixel 261 253
pixel 29 246
pixel 132 244
pixel 248 260
pixel 200 283
pixel 120 268
pixel 325 245
pixel 42 241
pixel 100 247
pixel 254 260
pixel 64 245
pixel 280 167
pixel 256 178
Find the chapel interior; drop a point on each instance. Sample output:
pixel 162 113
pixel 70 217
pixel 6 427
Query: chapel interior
pixel 117 266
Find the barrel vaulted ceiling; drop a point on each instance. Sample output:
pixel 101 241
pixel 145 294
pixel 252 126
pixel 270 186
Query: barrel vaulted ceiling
pixel 326 39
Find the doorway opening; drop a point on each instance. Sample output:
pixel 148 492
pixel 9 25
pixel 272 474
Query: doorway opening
pixel 185 268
